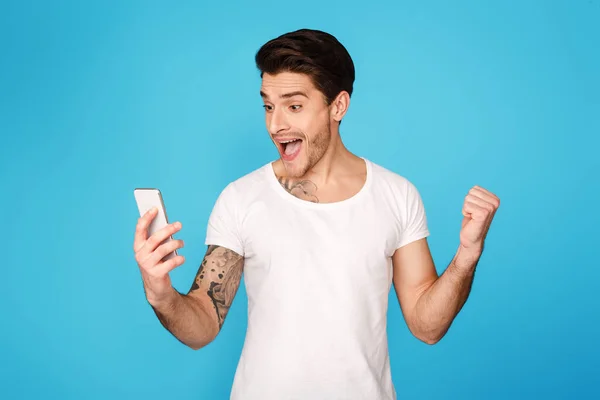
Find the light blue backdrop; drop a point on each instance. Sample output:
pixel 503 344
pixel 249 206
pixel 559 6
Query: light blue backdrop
pixel 98 98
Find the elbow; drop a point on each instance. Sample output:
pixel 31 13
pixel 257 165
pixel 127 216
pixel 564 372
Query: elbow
pixel 429 333
pixel 430 340
pixel 197 346
pixel 429 337
pixel 206 331
pixel 203 340
pixel 200 344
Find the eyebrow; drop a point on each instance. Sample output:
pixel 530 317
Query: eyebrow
pixel 286 95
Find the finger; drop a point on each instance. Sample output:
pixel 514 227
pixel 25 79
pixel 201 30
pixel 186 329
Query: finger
pixel 161 235
pixel 475 212
pixel 488 192
pixel 480 202
pixel 485 195
pixel 141 229
pixel 163 250
pixel 169 265
pixel 478 213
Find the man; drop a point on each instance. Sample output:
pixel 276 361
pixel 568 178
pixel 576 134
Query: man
pixel 321 235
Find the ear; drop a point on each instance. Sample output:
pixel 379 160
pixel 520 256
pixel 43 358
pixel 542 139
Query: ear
pixel 339 106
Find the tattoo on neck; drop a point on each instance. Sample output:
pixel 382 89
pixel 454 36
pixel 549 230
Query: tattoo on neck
pixel 302 189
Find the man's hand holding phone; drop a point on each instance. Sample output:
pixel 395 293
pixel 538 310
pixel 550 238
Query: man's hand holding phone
pixel 149 254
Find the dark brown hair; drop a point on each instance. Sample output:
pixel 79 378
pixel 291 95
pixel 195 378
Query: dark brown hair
pixel 312 52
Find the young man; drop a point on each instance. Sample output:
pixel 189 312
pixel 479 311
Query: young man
pixel 321 235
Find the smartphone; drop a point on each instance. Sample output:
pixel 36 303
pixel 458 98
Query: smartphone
pixel 146 198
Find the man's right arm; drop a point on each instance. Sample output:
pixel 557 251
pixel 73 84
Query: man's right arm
pixel 196 318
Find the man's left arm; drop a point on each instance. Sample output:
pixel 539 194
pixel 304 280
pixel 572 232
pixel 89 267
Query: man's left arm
pixel 430 302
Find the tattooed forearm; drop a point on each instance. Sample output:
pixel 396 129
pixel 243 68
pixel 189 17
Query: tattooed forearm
pixel 219 277
pixel 303 189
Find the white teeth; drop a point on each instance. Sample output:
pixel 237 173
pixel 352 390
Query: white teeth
pixel 289 141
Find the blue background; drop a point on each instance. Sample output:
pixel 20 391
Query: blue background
pixel 99 98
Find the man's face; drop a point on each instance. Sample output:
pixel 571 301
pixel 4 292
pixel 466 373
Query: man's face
pixel 298 120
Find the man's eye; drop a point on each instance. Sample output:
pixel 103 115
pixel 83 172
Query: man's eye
pixel 295 107
pixel 267 107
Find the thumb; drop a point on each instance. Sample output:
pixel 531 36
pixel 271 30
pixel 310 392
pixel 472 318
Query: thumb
pixel 466 219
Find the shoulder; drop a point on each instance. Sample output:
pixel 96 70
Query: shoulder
pixel 386 180
pixel 246 187
pixel 399 196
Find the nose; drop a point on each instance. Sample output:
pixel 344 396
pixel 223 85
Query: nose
pixel 277 122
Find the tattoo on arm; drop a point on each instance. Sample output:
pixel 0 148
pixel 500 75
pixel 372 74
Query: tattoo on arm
pixel 219 277
pixel 303 189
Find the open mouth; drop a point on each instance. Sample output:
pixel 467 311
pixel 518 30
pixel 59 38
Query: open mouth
pixel 290 148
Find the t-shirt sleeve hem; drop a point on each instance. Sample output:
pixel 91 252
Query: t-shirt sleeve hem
pixel 413 238
pixel 222 242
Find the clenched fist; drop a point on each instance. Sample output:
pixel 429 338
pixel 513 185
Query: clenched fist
pixel 149 254
pixel 478 210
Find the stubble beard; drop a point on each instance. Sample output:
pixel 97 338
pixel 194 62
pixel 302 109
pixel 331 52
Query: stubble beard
pixel 316 149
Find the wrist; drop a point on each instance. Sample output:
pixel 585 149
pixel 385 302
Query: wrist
pixel 165 301
pixel 466 259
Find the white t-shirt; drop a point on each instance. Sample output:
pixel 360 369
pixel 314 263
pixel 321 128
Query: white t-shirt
pixel 317 277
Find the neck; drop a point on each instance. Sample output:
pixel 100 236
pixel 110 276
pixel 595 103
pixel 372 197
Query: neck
pixel 333 164
pixel 338 163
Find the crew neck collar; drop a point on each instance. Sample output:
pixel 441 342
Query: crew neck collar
pixel 272 178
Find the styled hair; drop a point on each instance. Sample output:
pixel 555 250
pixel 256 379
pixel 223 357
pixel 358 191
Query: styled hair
pixel 312 52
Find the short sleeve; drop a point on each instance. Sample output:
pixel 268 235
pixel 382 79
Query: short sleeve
pixel 415 225
pixel 223 225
